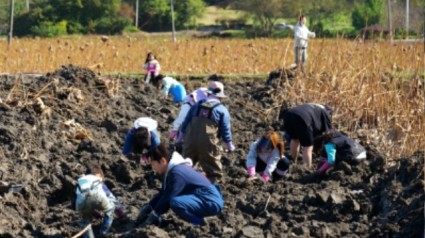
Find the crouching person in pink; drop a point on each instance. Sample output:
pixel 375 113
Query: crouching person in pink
pixel 186 191
pixel 266 157
pixel 335 147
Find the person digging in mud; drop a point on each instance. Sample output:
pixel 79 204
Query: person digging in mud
pixel 192 98
pixel 266 156
pixel 301 35
pixel 169 85
pixel 152 67
pixel 184 190
pixel 206 121
pixel 119 211
pixel 302 124
pixel 334 147
pixel 142 137
pixel 92 200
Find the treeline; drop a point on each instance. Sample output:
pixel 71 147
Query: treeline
pixel 61 17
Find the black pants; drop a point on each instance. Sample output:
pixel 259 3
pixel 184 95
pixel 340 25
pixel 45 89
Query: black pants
pixel 281 168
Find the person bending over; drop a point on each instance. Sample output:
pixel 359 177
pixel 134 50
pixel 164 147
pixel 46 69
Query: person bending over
pixel 184 190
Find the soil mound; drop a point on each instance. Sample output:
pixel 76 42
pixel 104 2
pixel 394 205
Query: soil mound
pixel 54 126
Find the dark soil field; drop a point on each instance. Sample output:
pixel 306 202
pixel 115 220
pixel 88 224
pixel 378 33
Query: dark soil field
pixel 54 126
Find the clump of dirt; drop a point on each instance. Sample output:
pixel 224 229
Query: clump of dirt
pixel 54 126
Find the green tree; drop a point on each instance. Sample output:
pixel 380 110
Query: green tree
pixel 51 17
pixel 368 13
pixel 265 12
pixel 187 11
pixel 153 13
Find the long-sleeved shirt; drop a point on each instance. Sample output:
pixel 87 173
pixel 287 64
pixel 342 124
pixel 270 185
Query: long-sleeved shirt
pixel 91 184
pixel 271 158
pixel 152 66
pixel 129 141
pixel 180 179
pixel 301 34
pixel 340 147
pixel 220 115
pixel 195 96
pixel 182 115
pixel 314 116
pixel 167 84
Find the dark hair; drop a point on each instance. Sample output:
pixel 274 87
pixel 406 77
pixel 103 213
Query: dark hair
pixel 147 57
pixel 320 140
pixel 140 140
pixel 215 77
pixel 301 17
pixel 96 169
pixel 159 152
pixel 157 80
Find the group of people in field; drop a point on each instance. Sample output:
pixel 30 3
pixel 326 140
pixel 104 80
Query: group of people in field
pixel 201 124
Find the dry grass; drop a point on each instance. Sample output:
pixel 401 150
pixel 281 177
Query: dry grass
pixel 376 87
pixel 127 54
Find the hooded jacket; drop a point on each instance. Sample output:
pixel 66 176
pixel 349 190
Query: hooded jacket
pixel 180 179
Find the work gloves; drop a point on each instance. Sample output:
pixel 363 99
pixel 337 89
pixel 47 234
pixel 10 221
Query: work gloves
pixel 147 217
pixel 153 218
pixel 173 134
pixel 144 159
pixel 230 146
pixel 251 174
pixel 251 171
pixel 325 166
pixel 144 212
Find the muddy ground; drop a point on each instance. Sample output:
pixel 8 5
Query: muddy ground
pixel 42 148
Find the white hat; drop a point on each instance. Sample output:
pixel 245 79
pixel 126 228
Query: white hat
pixel 146 122
pixel 217 89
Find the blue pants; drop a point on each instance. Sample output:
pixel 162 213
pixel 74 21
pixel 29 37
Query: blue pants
pixel 205 201
pixel 178 92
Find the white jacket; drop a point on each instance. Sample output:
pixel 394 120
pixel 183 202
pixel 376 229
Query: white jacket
pixel 271 158
pixel 301 34
pixel 167 83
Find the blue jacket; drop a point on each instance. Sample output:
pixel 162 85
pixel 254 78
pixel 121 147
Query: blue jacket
pixel 129 140
pixel 180 179
pixel 220 115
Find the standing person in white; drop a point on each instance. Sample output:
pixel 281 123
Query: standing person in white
pixel 301 35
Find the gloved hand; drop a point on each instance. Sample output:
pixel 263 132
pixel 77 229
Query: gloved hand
pixel 265 177
pixel 321 162
pixel 230 146
pixel 152 218
pixel 107 222
pixel 251 171
pixel 144 159
pixel 144 212
pixel 324 167
pixel 173 134
pixel 179 137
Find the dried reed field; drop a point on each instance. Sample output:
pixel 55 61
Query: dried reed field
pixel 127 54
pixel 376 88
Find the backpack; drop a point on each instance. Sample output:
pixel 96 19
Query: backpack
pixel 85 184
pixel 205 110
